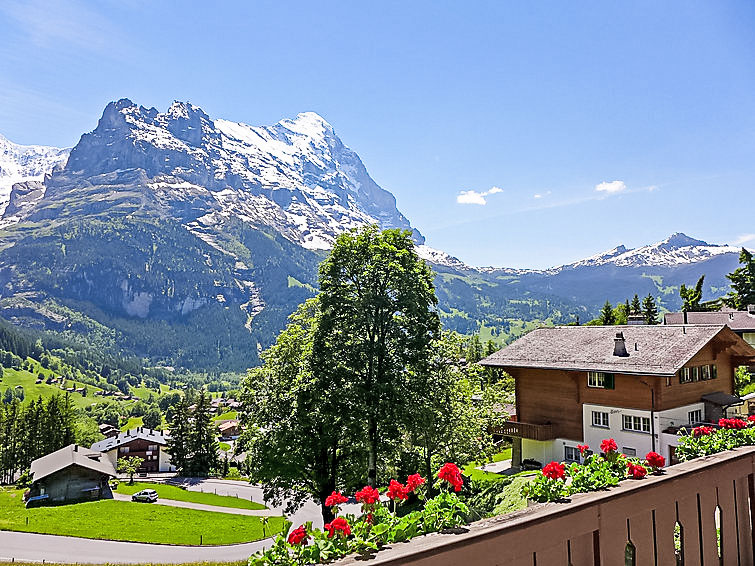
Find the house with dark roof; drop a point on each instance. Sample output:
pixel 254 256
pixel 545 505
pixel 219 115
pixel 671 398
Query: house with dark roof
pixel 741 322
pixel 148 444
pixel 70 474
pixel 636 384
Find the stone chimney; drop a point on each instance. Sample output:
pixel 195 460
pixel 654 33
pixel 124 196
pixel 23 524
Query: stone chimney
pixel 751 309
pixel 619 346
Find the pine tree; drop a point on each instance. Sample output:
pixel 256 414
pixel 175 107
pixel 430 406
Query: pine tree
pixel 691 296
pixel 635 307
pixel 179 445
pixel 606 315
pixel 742 280
pixel 650 310
pixel 203 444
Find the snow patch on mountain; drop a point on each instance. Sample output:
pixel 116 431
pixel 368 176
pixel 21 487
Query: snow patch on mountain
pixel 22 163
pixel 677 249
pixel 439 257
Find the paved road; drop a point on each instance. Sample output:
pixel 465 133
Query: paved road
pixel 29 547
pixel 203 507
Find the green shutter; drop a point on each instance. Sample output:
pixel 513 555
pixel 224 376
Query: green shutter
pixel 608 381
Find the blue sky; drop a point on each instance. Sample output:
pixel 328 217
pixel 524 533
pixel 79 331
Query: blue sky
pixel 652 102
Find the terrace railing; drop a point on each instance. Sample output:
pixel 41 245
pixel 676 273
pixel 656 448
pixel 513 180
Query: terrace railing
pixel 698 513
pixel 525 430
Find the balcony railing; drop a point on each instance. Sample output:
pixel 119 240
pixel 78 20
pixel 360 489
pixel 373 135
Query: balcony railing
pixel 525 430
pixel 696 513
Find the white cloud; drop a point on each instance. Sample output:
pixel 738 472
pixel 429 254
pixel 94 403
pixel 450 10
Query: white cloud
pixel 743 239
pixel 475 197
pixel 611 187
pixel 541 195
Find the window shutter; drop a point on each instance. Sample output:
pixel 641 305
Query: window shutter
pixel 609 381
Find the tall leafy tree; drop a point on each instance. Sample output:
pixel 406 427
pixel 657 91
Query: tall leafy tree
pixel 378 319
pixel 742 283
pixel 296 434
pixel 691 296
pixel 650 310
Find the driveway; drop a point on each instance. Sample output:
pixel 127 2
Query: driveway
pixel 203 507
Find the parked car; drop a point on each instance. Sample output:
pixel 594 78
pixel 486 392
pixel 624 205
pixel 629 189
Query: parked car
pixel 145 496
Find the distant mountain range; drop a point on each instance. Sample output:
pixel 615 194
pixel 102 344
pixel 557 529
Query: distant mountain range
pixel 188 240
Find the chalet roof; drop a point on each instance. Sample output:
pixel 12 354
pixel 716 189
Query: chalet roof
pixel 652 350
pixel 228 425
pixel 71 455
pixel 150 435
pixel 738 321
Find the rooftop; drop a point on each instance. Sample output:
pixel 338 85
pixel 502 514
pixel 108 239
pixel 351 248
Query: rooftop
pixel 650 350
pixel 71 455
pixel 142 433
pixel 738 321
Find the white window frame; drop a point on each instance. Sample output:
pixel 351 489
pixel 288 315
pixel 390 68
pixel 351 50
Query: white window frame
pixel 571 454
pixel 692 414
pixel 636 424
pixel 602 419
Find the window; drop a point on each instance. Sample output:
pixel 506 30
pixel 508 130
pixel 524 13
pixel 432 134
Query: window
pixel 571 454
pixel 629 451
pixel 600 380
pixel 695 416
pixel 685 376
pixel 636 424
pixel 124 449
pixel 698 373
pixel 600 418
pixel 153 447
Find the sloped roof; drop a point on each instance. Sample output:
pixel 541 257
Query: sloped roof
pixel 653 350
pixel 143 433
pixel 71 455
pixel 738 321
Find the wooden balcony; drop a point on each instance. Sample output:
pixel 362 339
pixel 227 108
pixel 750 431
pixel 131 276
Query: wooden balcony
pixel 525 430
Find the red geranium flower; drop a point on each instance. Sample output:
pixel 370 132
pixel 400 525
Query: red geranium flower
pixel 397 491
pixel 338 524
pixel 732 423
pixel 751 419
pixel 702 431
pixel 450 472
pixel 298 536
pixel 554 471
pixel 655 460
pixel 608 446
pixel 413 482
pixel 335 499
pixel 636 471
pixel 582 448
pixel 368 495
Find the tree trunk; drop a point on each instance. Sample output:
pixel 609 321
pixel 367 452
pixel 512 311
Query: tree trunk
pixel 372 438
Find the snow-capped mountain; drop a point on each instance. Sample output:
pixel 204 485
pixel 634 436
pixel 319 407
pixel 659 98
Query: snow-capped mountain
pixel 295 176
pixel 23 163
pixel 676 250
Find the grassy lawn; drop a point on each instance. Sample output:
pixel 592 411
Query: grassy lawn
pixel 122 520
pixel 479 475
pixel 224 446
pixel 227 416
pixel 132 423
pixel 179 494
pixel 32 390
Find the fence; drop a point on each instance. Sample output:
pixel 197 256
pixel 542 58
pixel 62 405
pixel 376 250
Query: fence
pixel 696 513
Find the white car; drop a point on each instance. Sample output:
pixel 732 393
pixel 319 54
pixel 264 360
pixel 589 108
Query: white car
pixel 145 496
